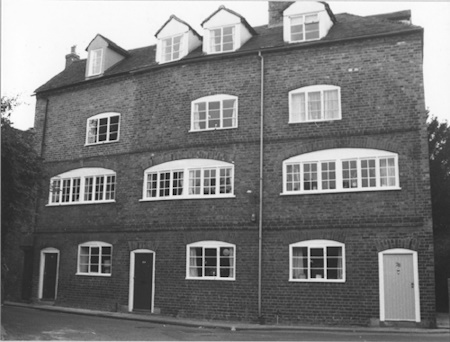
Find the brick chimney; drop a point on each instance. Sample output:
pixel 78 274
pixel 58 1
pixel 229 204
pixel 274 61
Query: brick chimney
pixel 276 9
pixel 72 56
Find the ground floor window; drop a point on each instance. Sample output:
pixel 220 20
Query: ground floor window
pixel 210 260
pixel 317 261
pixel 95 258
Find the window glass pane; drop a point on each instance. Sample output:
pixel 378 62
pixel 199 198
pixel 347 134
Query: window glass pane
pixel 196 262
pixel 298 107
pixel 334 263
pixel 293 177
pixel 314 106
pixel 177 186
pixel 65 196
pixel 76 182
pixel 226 262
pixel 331 104
pixel 214 115
pixel 310 176
pixel 387 172
pixel 368 173
pixel 110 187
pixel 92 131
pixel 88 184
pixel 99 187
pixel 194 182
pixel 210 262
pixel 209 181
pixel 349 174
pixel 102 129
pixel 152 184
pixel 317 262
pixel 328 175
pixel 225 181
pixel 164 184
pixel 300 263
pixel 55 191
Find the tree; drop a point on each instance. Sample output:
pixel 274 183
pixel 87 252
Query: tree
pixel 21 172
pixel 439 149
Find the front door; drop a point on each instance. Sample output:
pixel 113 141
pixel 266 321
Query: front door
pixel 49 280
pixel 399 287
pixel 143 281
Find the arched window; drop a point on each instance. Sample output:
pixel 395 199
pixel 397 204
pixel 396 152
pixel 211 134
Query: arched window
pixel 214 260
pixel 103 128
pixel 81 186
pixel 317 261
pixel 315 103
pixel 94 258
pixel 214 112
pixel 341 170
pixel 189 178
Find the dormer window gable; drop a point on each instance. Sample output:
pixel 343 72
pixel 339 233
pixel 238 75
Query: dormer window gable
pixel 225 31
pixel 176 39
pixel 102 54
pixel 307 21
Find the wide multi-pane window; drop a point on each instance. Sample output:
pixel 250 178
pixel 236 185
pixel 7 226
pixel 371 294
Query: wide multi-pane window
pixel 103 128
pixel 94 258
pixel 214 112
pixel 222 39
pixel 171 48
pixel 210 260
pixel 317 261
pixel 189 178
pixel 340 170
pixel 304 27
pixel 315 103
pixel 87 185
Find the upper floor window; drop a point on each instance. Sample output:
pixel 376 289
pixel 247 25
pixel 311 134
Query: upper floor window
pixel 315 103
pixel 94 258
pixel 87 185
pixel 305 27
pixel 317 261
pixel 213 260
pixel 189 178
pixel 341 170
pixel 222 39
pixel 103 128
pixel 214 112
pixel 95 62
pixel 171 48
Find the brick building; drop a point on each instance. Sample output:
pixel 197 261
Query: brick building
pixel 241 173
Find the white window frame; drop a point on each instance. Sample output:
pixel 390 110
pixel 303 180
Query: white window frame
pixel 95 68
pixel 80 176
pixel 316 244
pixel 210 244
pixel 186 166
pixel 97 118
pixel 180 49
pixel 304 25
pixel 338 156
pixel 222 28
pixel 306 91
pixel 100 245
pixel 208 100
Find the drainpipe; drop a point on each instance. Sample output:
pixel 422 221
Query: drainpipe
pixel 261 150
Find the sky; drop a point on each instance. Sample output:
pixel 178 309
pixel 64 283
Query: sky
pixel 37 34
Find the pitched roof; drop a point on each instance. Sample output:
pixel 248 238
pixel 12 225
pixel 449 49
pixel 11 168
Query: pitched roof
pixel 111 45
pixel 347 26
pixel 181 21
pixel 243 21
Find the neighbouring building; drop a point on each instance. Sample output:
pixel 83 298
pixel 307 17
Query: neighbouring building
pixel 262 174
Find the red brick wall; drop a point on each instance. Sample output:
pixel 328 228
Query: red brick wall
pixel 382 108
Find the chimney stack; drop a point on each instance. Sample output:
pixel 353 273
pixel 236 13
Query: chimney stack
pixel 276 9
pixel 72 56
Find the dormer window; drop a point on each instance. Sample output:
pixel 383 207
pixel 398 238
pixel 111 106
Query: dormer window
pixel 306 21
pixel 176 39
pixel 95 62
pixel 305 27
pixel 225 31
pixel 171 48
pixel 222 39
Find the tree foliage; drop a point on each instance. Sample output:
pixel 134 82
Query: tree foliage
pixel 21 171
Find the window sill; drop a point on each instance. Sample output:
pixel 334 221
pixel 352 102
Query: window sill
pixel 313 121
pixel 211 129
pixel 78 203
pixel 211 278
pixel 341 191
pixel 101 143
pixel 317 280
pixel 184 198
pixel 93 274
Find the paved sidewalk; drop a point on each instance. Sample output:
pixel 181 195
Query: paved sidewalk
pixel 225 324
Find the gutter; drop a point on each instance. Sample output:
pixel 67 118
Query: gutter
pixel 261 188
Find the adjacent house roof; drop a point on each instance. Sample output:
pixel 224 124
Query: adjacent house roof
pixel 347 26
pixel 243 21
pixel 181 21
